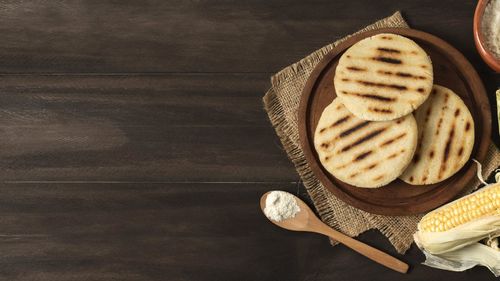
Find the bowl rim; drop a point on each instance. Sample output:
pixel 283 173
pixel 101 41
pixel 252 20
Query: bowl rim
pixel 485 54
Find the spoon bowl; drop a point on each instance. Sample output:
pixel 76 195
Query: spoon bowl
pixel 300 222
pixel 306 220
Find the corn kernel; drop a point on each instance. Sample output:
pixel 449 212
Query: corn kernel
pixel 481 203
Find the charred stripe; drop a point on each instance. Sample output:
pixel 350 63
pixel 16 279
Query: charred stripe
pixel 336 123
pixel 393 140
pixel 409 75
pixel 427 114
pixel 355 68
pixel 416 158
pixel 380 110
pixel 362 156
pixel 382 85
pixel 340 121
pixel 401 74
pixel 439 125
pixel 392 155
pixel 370 96
pixel 370 166
pixel 363 139
pixel 387 60
pixel 447 148
pixel 395 154
pixel 354 128
pixel 389 50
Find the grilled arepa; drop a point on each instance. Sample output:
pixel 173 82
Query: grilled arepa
pixel 383 77
pixel 445 140
pixel 364 153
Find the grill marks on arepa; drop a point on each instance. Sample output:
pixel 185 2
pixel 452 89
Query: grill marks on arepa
pixel 383 79
pixel 446 138
pixel 358 151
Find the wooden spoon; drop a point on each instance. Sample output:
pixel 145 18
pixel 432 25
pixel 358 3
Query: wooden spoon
pixel 306 220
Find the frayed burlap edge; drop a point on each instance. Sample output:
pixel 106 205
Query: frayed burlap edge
pixel 334 212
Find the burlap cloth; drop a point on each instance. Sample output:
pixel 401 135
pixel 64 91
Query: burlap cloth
pixel 281 103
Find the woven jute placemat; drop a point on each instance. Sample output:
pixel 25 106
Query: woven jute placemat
pixel 282 102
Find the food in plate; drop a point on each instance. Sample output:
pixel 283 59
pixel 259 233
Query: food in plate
pixel 364 153
pixel 383 77
pixel 445 141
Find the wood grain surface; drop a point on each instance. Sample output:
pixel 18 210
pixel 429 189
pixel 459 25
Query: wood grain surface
pixel 134 145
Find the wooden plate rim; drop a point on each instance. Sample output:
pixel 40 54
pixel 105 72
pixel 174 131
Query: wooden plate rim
pixel 474 84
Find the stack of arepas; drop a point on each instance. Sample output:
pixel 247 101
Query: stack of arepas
pixel 389 120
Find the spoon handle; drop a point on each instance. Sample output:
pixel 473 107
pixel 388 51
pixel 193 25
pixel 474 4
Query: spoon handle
pixel 364 249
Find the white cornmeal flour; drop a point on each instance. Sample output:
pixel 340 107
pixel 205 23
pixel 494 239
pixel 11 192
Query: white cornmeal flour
pixel 280 206
pixel 490 27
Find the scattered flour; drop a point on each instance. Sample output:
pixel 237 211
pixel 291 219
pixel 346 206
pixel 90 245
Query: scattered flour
pixel 280 206
pixel 490 27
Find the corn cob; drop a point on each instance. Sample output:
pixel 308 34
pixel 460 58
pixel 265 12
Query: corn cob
pixel 482 203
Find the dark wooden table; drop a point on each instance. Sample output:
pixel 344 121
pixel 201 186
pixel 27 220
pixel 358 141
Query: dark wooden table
pixel 134 145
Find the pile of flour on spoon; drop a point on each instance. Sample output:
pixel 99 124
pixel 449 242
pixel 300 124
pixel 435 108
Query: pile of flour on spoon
pixel 280 206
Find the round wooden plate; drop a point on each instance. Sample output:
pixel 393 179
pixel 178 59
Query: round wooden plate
pixel 452 70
